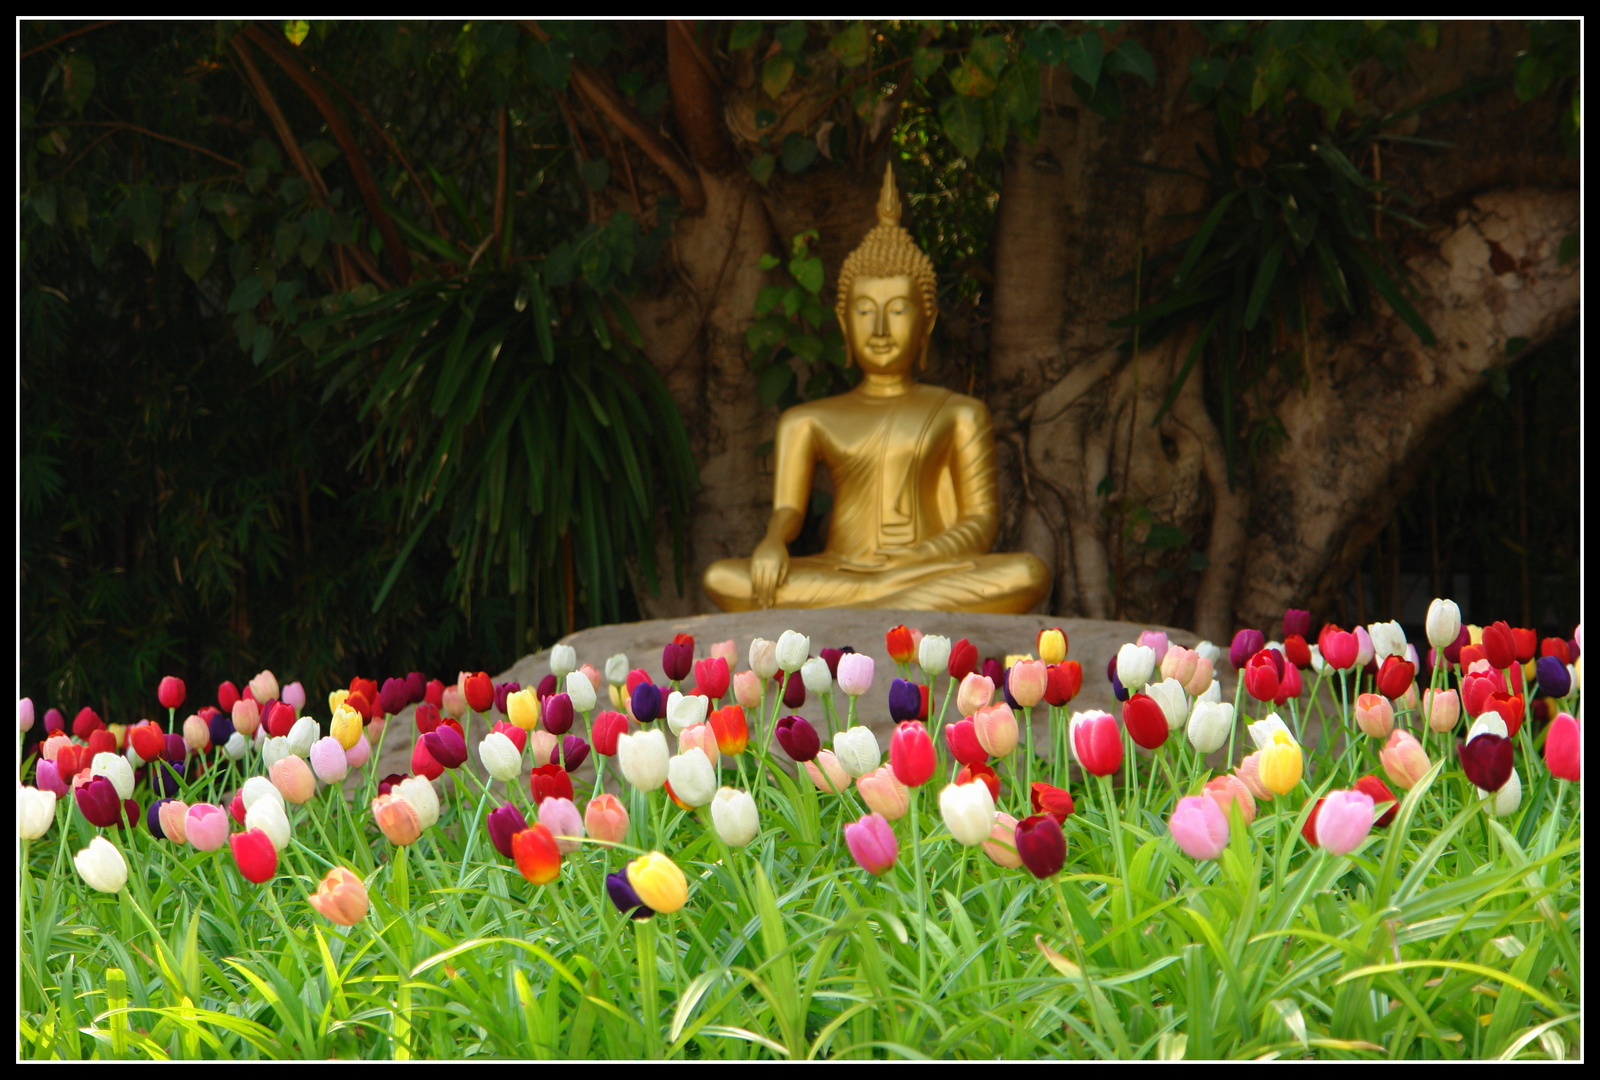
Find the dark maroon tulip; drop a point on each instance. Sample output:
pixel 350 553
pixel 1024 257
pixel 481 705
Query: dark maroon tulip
pixel 798 738
pixel 503 691
pixel 1295 622
pixel 831 658
pixel 626 900
pixel 994 671
pixel 428 717
pixel 646 702
pixel 1246 643
pixel 905 701
pixel 1041 845
pixel 1452 652
pixel 392 698
pixel 677 659
pixel 446 746
pixel 557 715
pixel 390 782
pixel 100 806
pixel 576 750
pixel 505 821
pixel 794 689
pixel 547 686
pixel 176 749
pixel 416 687
pixel 1486 760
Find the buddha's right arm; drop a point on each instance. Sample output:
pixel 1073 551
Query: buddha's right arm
pixel 793 460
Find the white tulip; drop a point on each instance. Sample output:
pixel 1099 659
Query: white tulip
pixel 857 751
pixel 763 658
pixel 36 810
pixel 816 676
pixel 1490 723
pixel 1209 725
pixel 274 750
pixel 1134 665
pixel 693 779
pixel 236 746
pixel 793 648
pixel 424 800
pixel 733 814
pixel 257 788
pixel 968 811
pixel 1262 730
pixel 303 736
pixel 581 691
pixel 643 758
pixel 685 711
pixel 500 757
pixel 134 760
pixel 933 654
pixel 1168 693
pixel 563 661
pixel 1388 639
pixel 1213 692
pixel 270 818
pixel 1209 651
pixel 101 865
pixel 114 767
pixel 1444 623
pixel 617 669
pixel 1507 799
pixel 1317 662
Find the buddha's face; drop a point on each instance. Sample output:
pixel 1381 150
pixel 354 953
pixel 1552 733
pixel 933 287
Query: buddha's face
pixel 884 324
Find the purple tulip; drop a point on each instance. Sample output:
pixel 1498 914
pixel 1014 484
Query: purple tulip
pixel 557 715
pixel 646 702
pixel 503 691
pixel 505 821
pixel 177 750
pixel 1246 643
pixel 392 697
pixel 677 659
pixel 221 727
pixel 576 750
pixel 1554 678
pixel 416 687
pixel 445 746
pixel 152 818
pixel 1116 684
pixel 798 738
pixel 905 700
pixel 1296 621
pixel 623 896
pixel 166 777
pixel 1005 688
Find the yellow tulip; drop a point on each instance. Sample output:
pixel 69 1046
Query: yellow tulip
pixel 522 708
pixel 1474 634
pixel 346 725
pixel 659 882
pixel 1052 645
pixel 1012 659
pixel 336 699
pixel 1280 764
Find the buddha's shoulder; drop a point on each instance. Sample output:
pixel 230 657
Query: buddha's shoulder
pixel 954 405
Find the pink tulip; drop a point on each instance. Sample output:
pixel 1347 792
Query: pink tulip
pixel 996 728
pixel 872 844
pixel 329 760
pixel 975 693
pixel 606 819
pixel 884 794
pixel 700 737
pixel 1249 773
pixel 1443 710
pixel 827 774
pixel 1343 821
pixel 728 651
pixel 1027 681
pixel 1228 789
pixel 747 689
pixel 1156 640
pixel 1001 847
pixel 357 755
pixel 560 816
pixel 855 673
pixel 206 826
pixel 1198 826
pixel 293 779
pixel 1374 715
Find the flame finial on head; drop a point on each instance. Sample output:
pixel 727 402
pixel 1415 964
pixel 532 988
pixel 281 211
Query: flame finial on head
pixel 889 251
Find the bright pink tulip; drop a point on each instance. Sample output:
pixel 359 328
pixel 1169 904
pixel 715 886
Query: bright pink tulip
pixel 1098 742
pixel 1562 748
pixel 911 754
pixel 872 843
pixel 206 826
pixel 1343 821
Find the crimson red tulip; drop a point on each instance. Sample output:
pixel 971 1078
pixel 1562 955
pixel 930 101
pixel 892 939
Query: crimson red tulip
pixel 1047 799
pixel 556 714
pixel 1486 760
pixel 279 718
pixel 1554 646
pixel 170 692
pixel 518 737
pixel 100 806
pixel 101 742
pixel 1041 845
pixel 980 771
pixel 1499 646
pixel 227 697
pixel 236 807
pixel 73 759
pixel 911 754
pixel 798 738
pixel 504 822
pixel 711 676
pixel 1296 651
pixel 433 693
pixel 86 723
pixel 1146 723
pixel 1289 685
pixel 423 763
pixel 1395 677
pixel 1509 706
pixel 549 782
pixel 1309 829
pixel 1379 792
pixel 963 660
pixel 1452 652
pixel 1296 623
pixel 1062 682
pixel 147 740
pixel 1261 676
pixel 255 854
pixel 1526 642
pixel 1098 742
pixel 417 687
pixel 478 689
pixel 962 740
pixel 608 725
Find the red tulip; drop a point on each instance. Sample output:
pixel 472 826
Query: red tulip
pixel 535 852
pixel 279 718
pixel 479 692
pixel 1509 707
pixel 518 737
pixel 427 717
pixel 1041 845
pixel 361 703
pixel 257 858
pixel 1289 685
pixel 100 742
pixel 911 754
pixel 607 726
pixel 1499 647
pixel 73 759
pixel 433 693
pixel 1554 646
pixel 962 740
pixel 549 782
pixel 1296 651
pixel 926 691
pixel 170 692
pixel 1261 676
pixel 1051 800
pixel 86 723
pixel 1477 687
pixel 1098 743
pixel 1527 643
pixel 1379 792
pixel 1145 721
pixel 1309 829
pixel 1486 760
pixel 1561 748
pixel 227 697
pixel 963 660
pixel 236 807
pixel 423 763
pixel 991 779
pixel 1395 677
pixel 711 676
pixel 900 647
pixel 1062 682
pixel 147 740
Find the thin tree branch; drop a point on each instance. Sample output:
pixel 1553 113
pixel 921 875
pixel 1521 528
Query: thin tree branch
pixel 154 135
pixel 69 34
pixel 500 180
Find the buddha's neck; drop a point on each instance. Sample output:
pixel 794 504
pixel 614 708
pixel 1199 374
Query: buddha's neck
pixel 881 385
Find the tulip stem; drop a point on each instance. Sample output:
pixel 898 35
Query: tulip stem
pixel 1233 728
pixel 922 902
pixel 1027 720
pixel 1115 824
pixel 949 689
pixel 644 941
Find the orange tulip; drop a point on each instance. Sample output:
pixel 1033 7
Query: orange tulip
pixel 397 818
pixel 341 897
pixel 733 733
pixel 535 852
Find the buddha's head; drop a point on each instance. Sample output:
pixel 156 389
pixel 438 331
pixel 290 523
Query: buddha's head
pixel 887 294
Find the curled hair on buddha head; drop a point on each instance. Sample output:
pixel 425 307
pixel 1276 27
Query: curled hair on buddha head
pixel 888 251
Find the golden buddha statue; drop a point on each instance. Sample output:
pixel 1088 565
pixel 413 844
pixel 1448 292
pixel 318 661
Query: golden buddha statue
pixel 915 508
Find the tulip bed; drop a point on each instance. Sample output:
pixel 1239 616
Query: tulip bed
pixel 1341 891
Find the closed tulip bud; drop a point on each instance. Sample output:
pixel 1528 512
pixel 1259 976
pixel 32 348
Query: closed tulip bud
pixel 1499 647
pixel 1388 639
pixel 975 692
pixel 446 746
pixel 561 817
pixel 274 750
pixel 478 691
pixel 301 735
pixel 259 788
pixel 1041 846
pixel 1554 678
pixel 1063 682
pixel 328 761
pixel 1209 724
pixel 963 660
pixel 815 676
pixel 563 661
pixel 423 762
pixel 857 751
pixel 617 669
pixel 899 644
pixel 1146 723
pixel 711 677
pixel 1261 676
pixel 205 827
pixel 1340 822
pixel 1443 624
pixel 25 714
pixel 246 717
pixel 996 730
pixel 855 674
pixel 734 816
pixel 905 700
pixel 341 897
pixel 608 727
pixel 645 702
pixel 658 882
pixel 452 702
pixel 1001 845
pixel 264 687
pixel 872 844
pixel 36 810
pixel 269 818
pixel 685 711
pixel 1249 774
pixel 581 692
pixel 746 690
pixel 677 657
pixel 1403 760
pixel 557 714
pixel 933 654
pixel 541 745
pixel 346 728
pixel 764 658
pixel 1052 645
pixel 826 773
pixel 1179 664
pixel 170 692
pixel 1563 749
pixel 606 819
pixel 798 738
pixel 101 866
pixel 643 758
pixel 911 754
pixel 1246 643
pixel 702 738
pixel 397 819
pixel 1097 743
pixel 884 794
pixel 1199 827
pixel 392 696
pixel 728 651
pixel 1026 681
pixel 1227 790
pixel 1507 799
pixel 537 855
pixel 196 735
pixel 116 769
pixel 1395 677
pixel 1135 663
pixel 792 650
pixel 1486 759
pixel 48 777
pixel 1374 715
pixel 968 812
pixel 1280 764
pixel 500 757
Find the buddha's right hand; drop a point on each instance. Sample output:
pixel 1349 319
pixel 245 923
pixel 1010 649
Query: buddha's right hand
pixel 769 569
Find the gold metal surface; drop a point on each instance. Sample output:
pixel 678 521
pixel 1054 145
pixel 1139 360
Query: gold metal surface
pixel 914 505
